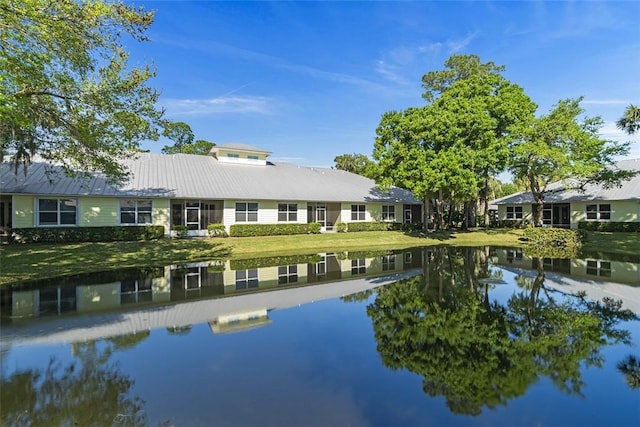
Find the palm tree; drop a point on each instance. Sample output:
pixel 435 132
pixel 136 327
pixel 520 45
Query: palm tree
pixel 630 122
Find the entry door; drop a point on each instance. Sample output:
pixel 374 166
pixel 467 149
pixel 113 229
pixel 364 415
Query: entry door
pixel 193 216
pixel 407 215
pixel 321 215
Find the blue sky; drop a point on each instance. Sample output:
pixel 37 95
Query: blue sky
pixel 310 80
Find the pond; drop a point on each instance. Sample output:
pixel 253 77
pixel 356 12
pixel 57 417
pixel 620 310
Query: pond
pixel 427 336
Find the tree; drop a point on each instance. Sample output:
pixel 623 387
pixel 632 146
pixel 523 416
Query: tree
pixel 356 163
pixel 559 147
pixel 630 122
pixel 471 116
pixel 66 91
pixel 182 136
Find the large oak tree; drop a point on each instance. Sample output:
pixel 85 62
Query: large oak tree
pixel 67 93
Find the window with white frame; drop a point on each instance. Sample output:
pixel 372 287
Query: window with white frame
pixel 233 156
pixel 287 212
pixel 388 213
pixel 246 212
pixel 135 211
pixel 599 212
pixel 358 212
pixel 599 268
pixel 514 212
pixel 287 274
pixel 247 279
pixel 388 262
pixel 251 157
pixel 57 211
pixel 358 266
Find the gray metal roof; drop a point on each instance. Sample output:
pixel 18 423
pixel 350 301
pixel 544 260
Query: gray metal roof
pixel 558 192
pixel 204 177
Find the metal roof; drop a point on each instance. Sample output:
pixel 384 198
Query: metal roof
pixel 558 192
pixel 204 177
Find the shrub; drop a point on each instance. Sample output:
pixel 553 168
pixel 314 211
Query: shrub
pixel 552 237
pixel 341 227
pixel 373 226
pixel 249 230
pixel 181 231
pixel 217 230
pixel 314 228
pixel 86 234
pixel 609 226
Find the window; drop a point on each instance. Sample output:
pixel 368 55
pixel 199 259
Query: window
pixel 358 266
pixel 57 211
pixel 253 157
pixel 135 211
pixel 357 212
pixel 287 212
pixel 246 212
pixel 599 268
pixel 514 212
pixel 233 156
pixel 389 213
pixel 388 262
pixel 287 274
pixel 247 279
pixel 599 212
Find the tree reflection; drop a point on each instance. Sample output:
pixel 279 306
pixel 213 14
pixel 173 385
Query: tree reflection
pixel 477 353
pixel 630 368
pixel 91 390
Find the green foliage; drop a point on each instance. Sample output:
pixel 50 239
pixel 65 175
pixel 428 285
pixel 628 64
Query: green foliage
pixel 217 230
pixel 630 121
pixel 356 163
pixel 559 147
pixel 86 234
pixel 181 231
pixel 609 226
pixel 372 226
pixel 66 90
pixel 448 149
pixel 539 238
pixel 182 136
pixel 314 227
pixel 341 227
pixel 249 230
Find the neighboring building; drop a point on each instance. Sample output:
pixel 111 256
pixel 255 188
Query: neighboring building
pixel 235 184
pixel 566 207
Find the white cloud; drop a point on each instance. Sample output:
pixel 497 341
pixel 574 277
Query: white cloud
pixel 610 131
pixel 606 101
pixel 401 64
pixel 218 105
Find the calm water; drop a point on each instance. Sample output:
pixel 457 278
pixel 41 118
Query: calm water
pixel 474 336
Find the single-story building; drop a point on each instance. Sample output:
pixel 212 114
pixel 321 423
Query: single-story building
pixel 234 184
pixel 565 206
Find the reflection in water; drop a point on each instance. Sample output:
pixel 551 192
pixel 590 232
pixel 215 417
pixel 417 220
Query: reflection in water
pixel 89 391
pixel 477 353
pixel 438 317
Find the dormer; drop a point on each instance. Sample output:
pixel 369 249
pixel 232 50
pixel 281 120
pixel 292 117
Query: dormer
pixel 240 153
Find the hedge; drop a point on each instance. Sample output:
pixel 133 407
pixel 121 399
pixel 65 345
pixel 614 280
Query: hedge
pixel 552 237
pixel 372 226
pixel 249 230
pixel 86 234
pixel 609 226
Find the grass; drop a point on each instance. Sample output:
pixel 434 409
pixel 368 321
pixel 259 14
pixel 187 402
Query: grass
pixel 28 262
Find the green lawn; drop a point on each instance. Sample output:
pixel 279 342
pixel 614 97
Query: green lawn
pixel 26 262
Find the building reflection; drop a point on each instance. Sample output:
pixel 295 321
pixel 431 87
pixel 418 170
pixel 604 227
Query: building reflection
pixel 597 276
pixel 131 289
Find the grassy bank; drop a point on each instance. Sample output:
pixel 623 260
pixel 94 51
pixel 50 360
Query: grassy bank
pixel 27 262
